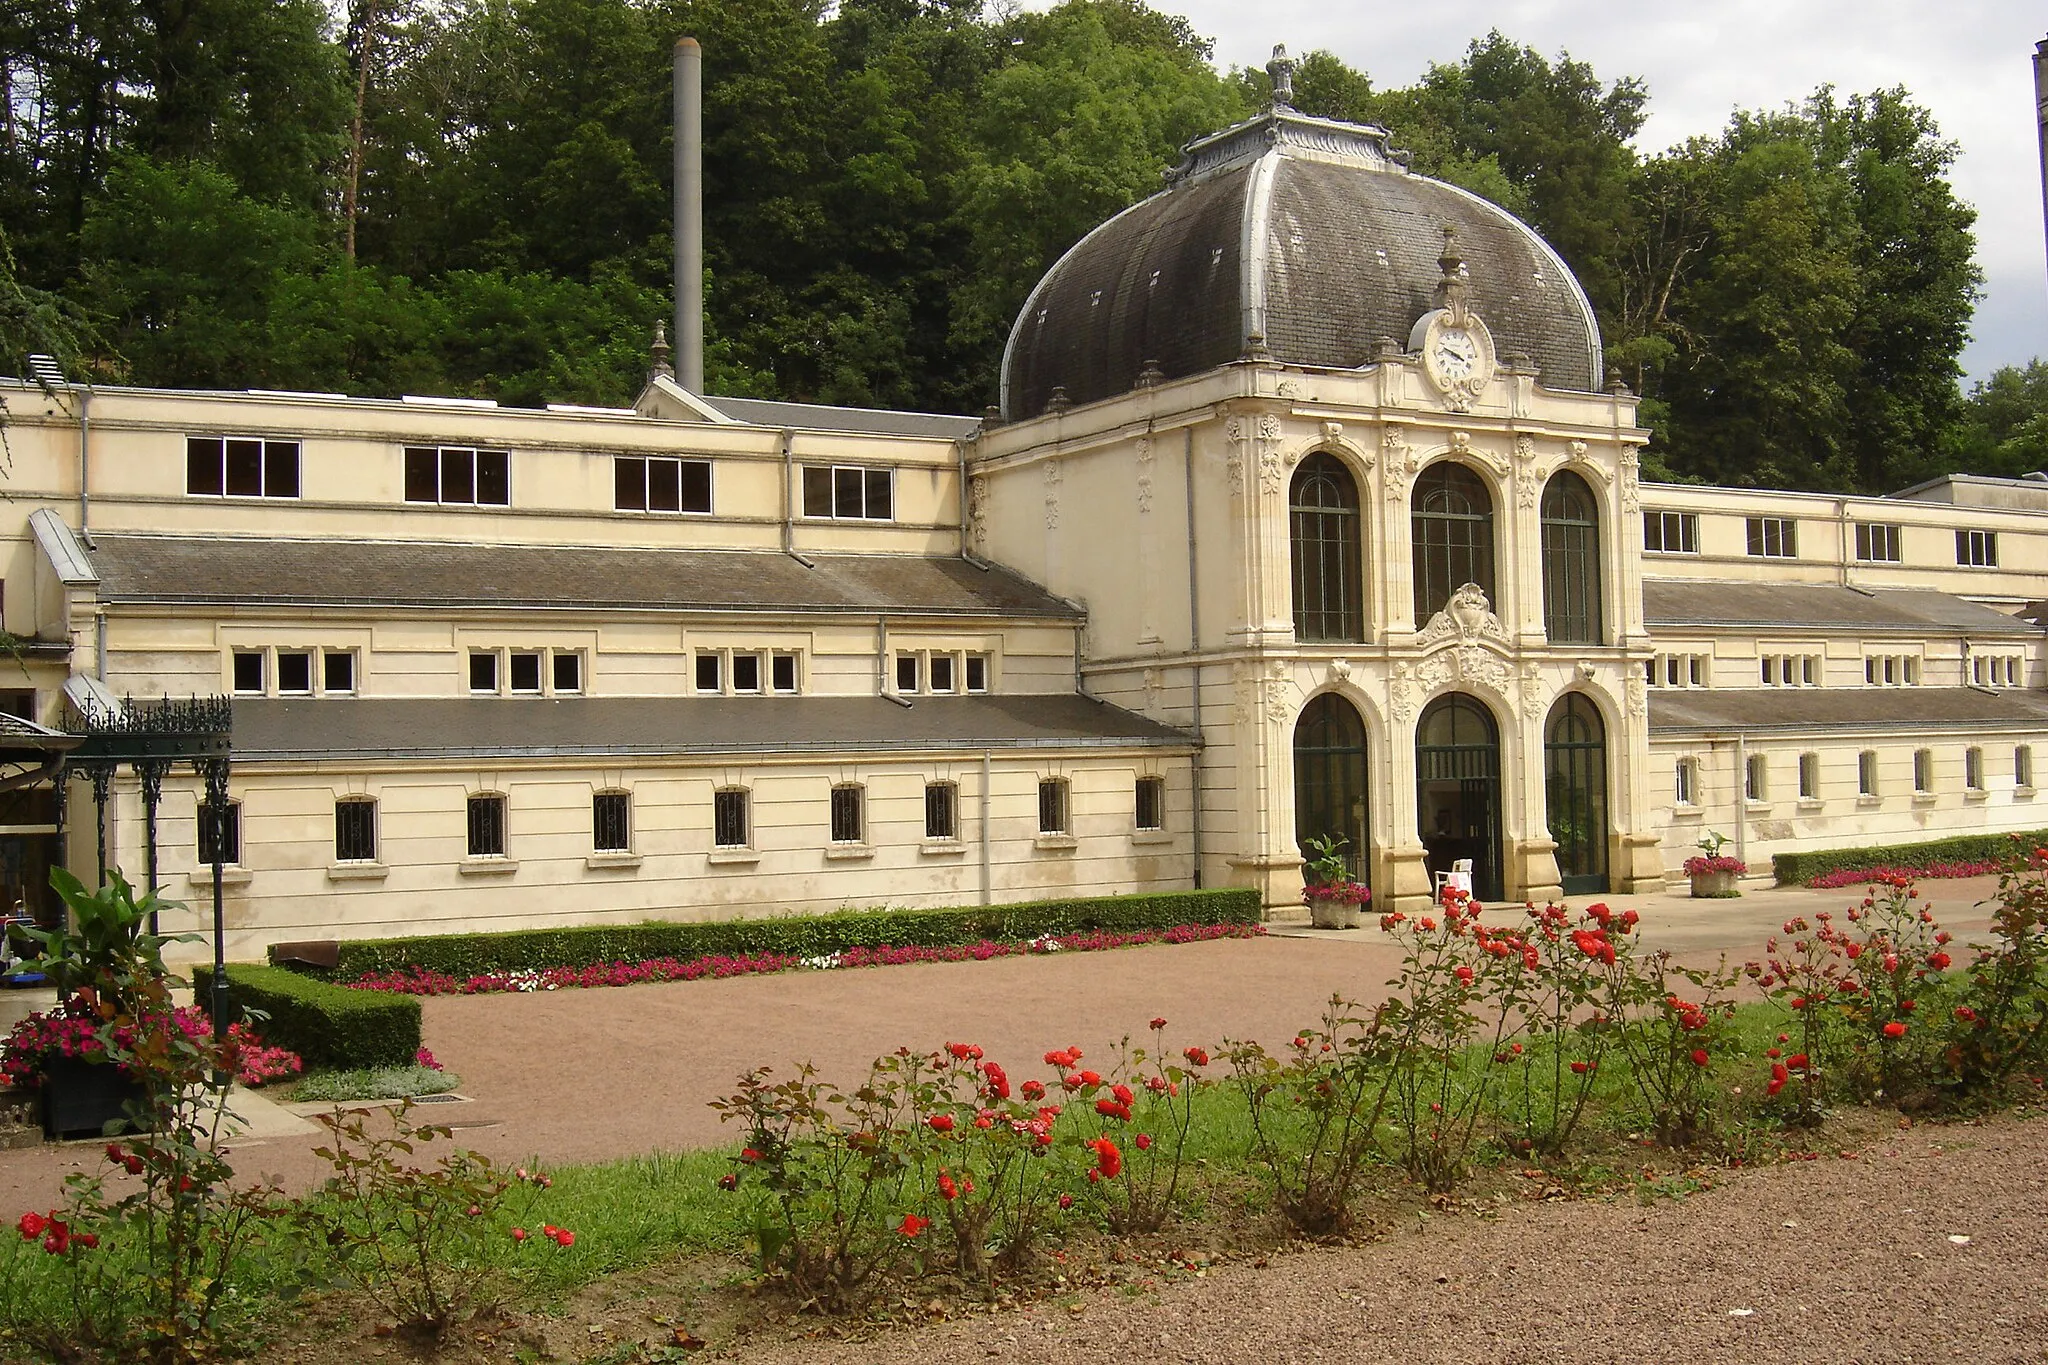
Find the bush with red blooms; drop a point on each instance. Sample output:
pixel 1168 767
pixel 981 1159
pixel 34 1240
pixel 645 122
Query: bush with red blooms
pixel 1569 1028
pixel 1671 1026
pixel 1807 970
pixel 1143 1111
pixel 1994 1029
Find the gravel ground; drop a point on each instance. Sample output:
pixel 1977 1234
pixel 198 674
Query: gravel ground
pixel 1929 1245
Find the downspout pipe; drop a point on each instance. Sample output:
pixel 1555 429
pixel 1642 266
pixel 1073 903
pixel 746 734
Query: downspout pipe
pixel 789 499
pixel 1194 646
pixel 85 465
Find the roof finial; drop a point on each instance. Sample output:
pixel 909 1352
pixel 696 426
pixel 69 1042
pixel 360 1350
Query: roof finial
pixel 1450 289
pixel 661 369
pixel 1281 69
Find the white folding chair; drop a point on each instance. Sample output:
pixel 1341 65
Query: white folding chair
pixel 1459 878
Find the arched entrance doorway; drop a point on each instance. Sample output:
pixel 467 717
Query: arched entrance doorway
pixel 1575 792
pixel 1457 789
pixel 1329 779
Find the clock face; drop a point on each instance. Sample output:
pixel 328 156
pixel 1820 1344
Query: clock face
pixel 1457 354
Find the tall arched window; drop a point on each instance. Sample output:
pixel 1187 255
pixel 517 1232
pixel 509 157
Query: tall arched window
pixel 1571 561
pixel 1324 541
pixel 1452 527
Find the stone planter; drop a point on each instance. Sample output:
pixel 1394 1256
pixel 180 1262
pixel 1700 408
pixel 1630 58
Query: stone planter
pixel 1714 885
pixel 81 1098
pixel 1327 913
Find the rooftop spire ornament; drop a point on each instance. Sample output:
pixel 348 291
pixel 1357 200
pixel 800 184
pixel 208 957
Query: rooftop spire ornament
pixel 661 369
pixel 1281 69
pixel 1450 289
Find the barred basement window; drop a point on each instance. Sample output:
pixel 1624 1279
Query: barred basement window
pixel 849 814
pixel 486 826
pixel 220 839
pixel 729 818
pixel 1052 806
pixel 611 822
pixel 219 467
pixel 355 830
pixel 654 484
pixel 1151 803
pixel 941 810
pixel 457 475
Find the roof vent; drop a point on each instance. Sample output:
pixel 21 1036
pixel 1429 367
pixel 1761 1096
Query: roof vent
pixel 45 371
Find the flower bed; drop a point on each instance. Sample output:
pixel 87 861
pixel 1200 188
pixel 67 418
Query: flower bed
pixel 1860 876
pixel 72 1030
pixel 419 981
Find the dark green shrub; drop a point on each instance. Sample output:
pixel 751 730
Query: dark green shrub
pixel 801 935
pixel 327 1025
pixel 1796 869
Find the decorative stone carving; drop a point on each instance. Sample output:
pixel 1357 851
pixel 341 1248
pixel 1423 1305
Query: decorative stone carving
pixel 1532 694
pixel 1264 694
pixel 1052 495
pixel 1340 672
pixel 1461 443
pixel 977 510
pixel 1586 670
pixel 1468 616
pixel 1401 693
pixel 1638 696
pixel 1144 461
pixel 1333 432
pixel 1529 481
pixel 1288 388
pixel 1525 450
pixel 1155 683
pixel 1272 475
pixel 1233 462
pixel 1402 462
pixel 1631 496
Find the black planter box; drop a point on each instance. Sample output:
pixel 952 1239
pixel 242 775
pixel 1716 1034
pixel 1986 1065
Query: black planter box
pixel 81 1098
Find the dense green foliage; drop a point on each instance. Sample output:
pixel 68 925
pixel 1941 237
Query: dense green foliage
pixel 800 935
pixel 327 1025
pixel 472 196
pixel 1796 869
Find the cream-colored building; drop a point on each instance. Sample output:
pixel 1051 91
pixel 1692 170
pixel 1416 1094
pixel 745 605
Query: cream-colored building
pixel 1309 511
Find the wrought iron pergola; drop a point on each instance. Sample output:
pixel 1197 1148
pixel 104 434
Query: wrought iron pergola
pixel 153 737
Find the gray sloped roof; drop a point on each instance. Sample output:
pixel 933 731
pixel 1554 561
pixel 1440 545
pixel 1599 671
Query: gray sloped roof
pixel 1819 607
pixel 251 570
pixel 1845 708
pixel 1310 232
pixel 763 412
pixel 653 727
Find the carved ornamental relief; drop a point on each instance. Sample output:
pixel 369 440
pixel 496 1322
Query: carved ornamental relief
pixel 977 510
pixel 1052 495
pixel 1144 475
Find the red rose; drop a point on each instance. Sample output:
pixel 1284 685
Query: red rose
pixel 1938 961
pixel 1066 1201
pixel 749 1155
pixel 912 1225
pixel 1144 1141
pixel 960 1051
pixel 1034 1090
pixel 948 1191
pixel 1895 1029
pixel 1158 1024
pixel 1966 1014
pixel 1108 1160
pixel 1464 975
pixel 1699 1056
pixel 941 1123
pixel 1797 1061
pixel 519 1234
pixel 1122 1093
pixel 1581 1068
pixel 30 1226
pixel 729 1181
pixel 1196 1056
pixel 1090 1078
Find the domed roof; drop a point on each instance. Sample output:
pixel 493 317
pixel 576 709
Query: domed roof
pixel 1310 236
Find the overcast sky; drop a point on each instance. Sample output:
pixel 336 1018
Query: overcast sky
pixel 1969 61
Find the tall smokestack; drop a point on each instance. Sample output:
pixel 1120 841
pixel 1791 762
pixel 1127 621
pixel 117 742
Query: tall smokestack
pixel 2041 117
pixel 689 140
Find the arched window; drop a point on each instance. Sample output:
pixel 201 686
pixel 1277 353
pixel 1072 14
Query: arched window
pixel 1571 561
pixel 1453 533
pixel 1324 540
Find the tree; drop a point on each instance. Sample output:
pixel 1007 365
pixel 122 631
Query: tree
pixel 2004 429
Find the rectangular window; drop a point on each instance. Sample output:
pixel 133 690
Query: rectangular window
pixel 1773 537
pixel 337 670
pixel 1151 803
pixel 1809 777
pixel 218 467
pixel 849 815
pixel 355 831
pixel 1977 549
pixel 729 818
pixel 1973 769
pixel 942 672
pixel 249 672
pixel 782 672
pixel 710 671
pixel 568 669
pixel 1052 806
pixel 1685 783
pixel 906 673
pixel 2023 766
pixel 1923 771
pixel 746 673
pixel 220 840
pixel 977 673
pixel 1756 781
pixel 295 672
pixel 941 810
pixel 486 826
pixel 611 822
pixel 483 670
pixel 524 671
pixel 849 493
pixel 1866 773
pixel 1809 670
pixel 1671 533
pixel 458 476
pixel 1877 542
pixel 655 484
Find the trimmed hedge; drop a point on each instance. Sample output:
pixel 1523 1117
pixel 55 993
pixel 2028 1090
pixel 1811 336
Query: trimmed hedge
pixel 1796 869
pixel 327 1025
pixel 801 935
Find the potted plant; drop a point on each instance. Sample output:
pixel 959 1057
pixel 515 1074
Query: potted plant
pixel 112 988
pixel 1712 875
pixel 1333 899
